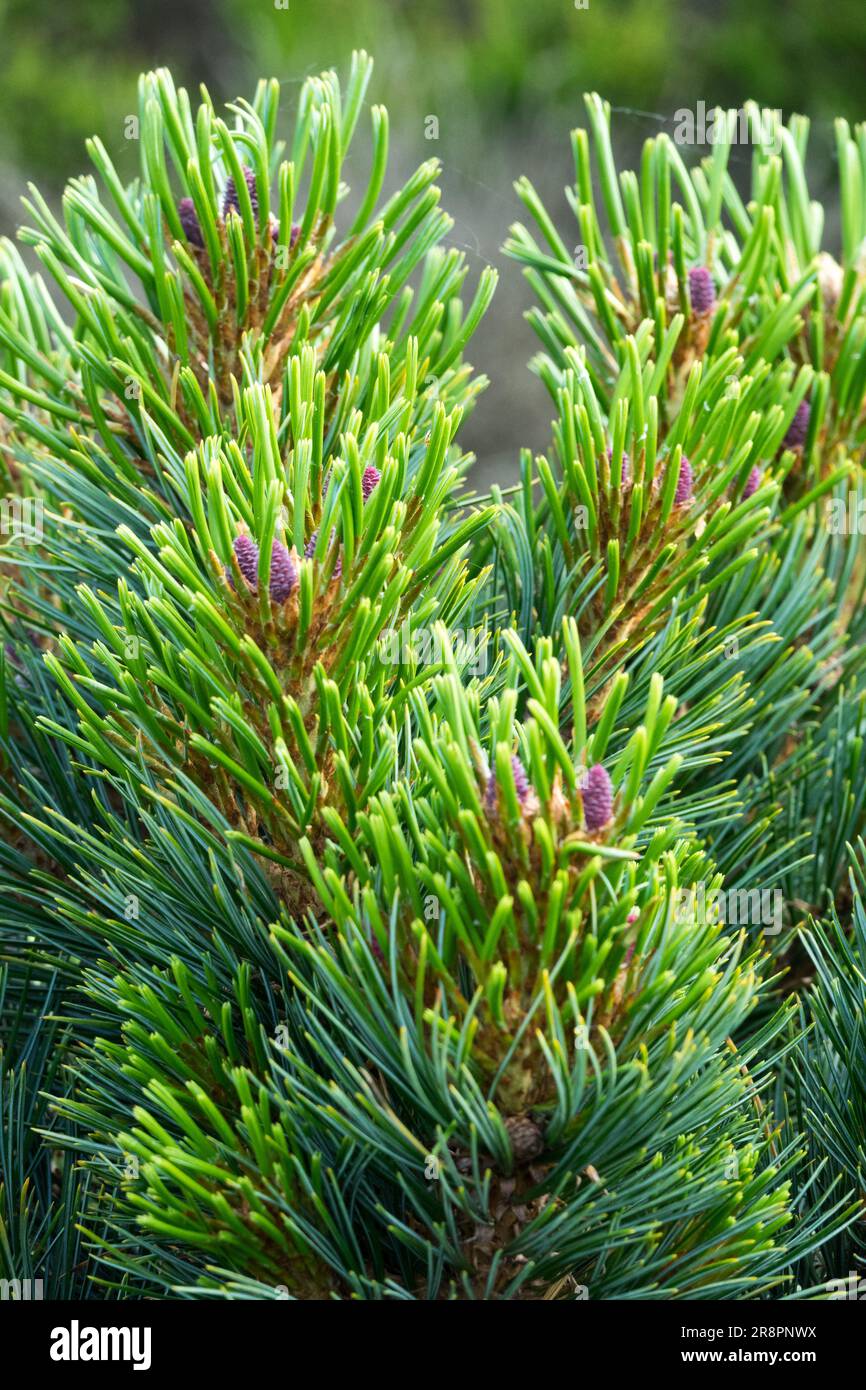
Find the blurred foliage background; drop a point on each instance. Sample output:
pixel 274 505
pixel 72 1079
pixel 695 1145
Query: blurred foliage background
pixel 503 77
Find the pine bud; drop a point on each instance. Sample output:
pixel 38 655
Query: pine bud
pixel 702 291
pixel 597 793
pixel 230 195
pixel 798 428
pixel 247 556
pixel 189 221
pixel 369 481
pixel 831 279
pixel 683 493
pixel 753 482
pixel 284 573
pixel 527 1140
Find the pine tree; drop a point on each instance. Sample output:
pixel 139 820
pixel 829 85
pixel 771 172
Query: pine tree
pixel 364 837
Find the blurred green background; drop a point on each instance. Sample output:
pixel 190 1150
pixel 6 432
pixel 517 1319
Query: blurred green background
pixel 503 77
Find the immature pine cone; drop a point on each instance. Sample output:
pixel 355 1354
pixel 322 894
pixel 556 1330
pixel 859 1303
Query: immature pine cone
pixel 369 481
pixel 683 493
pixel 798 428
pixel 521 785
pixel 702 291
pixel 625 472
pixel 230 195
pixel 753 482
pixel 247 556
pixel 284 574
pixel 597 793
pixel 189 221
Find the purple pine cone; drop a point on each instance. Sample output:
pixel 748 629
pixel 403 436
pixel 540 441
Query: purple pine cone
pixel 597 793
pixel 275 232
pixel 230 195
pixel 310 550
pixel 702 291
pixel 490 792
pixel 521 781
pixel 284 573
pixel 683 493
pixel 753 482
pixel 189 221
pixel 521 785
pixel 369 481
pixel 798 428
pixel 625 473
pixel 247 556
